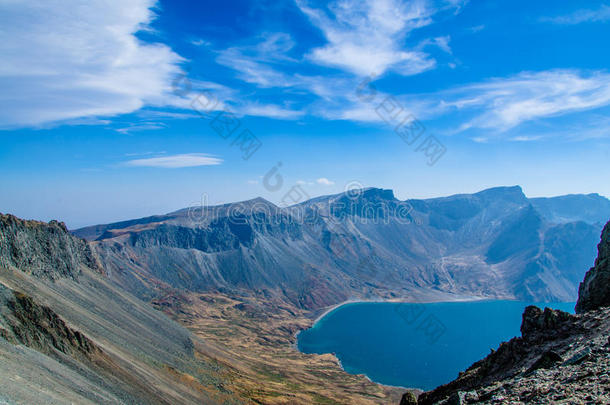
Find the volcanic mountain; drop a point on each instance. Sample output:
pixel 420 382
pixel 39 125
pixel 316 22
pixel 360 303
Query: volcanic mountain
pixel 362 244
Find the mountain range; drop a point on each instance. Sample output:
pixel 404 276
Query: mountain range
pixel 362 244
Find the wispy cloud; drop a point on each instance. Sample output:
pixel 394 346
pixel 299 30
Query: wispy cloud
pixel 526 138
pixel 253 62
pixel 325 182
pixel 87 62
pixel 141 127
pixel 157 114
pixel 367 37
pixel 176 161
pixel 270 111
pixel 443 43
pixel 602 14
pixel 144 153
pixel 502 104
pixel 476 28
pixel 200 42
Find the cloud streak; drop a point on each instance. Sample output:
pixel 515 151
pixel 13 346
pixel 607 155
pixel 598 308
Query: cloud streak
pixel 270 111
pixel 602 14
pixel 502 104
pixel 254 62
pixel 324 181
pixel 176 161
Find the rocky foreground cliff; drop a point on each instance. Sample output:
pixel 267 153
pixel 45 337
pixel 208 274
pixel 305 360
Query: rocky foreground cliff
pixel 67 335
pixel 558 359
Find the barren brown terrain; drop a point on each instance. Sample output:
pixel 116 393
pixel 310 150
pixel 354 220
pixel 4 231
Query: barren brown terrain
pixel 256 338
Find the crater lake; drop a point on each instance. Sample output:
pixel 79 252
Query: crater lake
pixel 415 345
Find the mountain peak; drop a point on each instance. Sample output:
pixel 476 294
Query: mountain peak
pixel 504 191
pixel 255 202
pixel 377 193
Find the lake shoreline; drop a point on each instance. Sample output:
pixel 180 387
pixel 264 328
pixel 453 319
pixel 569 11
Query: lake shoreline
pixel 332 308
pixel 444 300
pixel 327 310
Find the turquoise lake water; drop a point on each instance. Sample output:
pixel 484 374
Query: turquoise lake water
pixel 415 345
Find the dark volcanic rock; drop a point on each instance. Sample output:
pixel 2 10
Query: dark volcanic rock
pixel 594 291
pixel 408 399
pixel 536 322
pixel 40 328
pixel 547 360
pixel 41 249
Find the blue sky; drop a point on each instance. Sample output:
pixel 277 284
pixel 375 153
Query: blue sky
pixel 114 111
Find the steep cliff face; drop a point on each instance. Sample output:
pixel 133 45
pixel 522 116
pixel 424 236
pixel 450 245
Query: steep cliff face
pixel 594 291
pixel 44 250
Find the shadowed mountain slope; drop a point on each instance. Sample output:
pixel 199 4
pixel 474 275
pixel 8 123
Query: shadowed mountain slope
pixel 590 208
pixel 594 291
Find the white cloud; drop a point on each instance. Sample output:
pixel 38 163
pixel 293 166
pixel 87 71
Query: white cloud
pixel 200 42
pixel 365 37
pixel 176 161
pixel 144 153
pixel 68 59
pixel 252 71
pixel 581 16
pixel 141 127
pixel 526 138
pixel 325 182
pixel 443 43
pixel 157 114
pixel 253 61
pixel 476 28
pixel 270 111
pixel 503 104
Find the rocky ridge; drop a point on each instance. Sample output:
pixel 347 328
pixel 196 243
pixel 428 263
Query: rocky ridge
pixel 594 291
pixel 39 327
pixel 43 249
pixel 362 244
